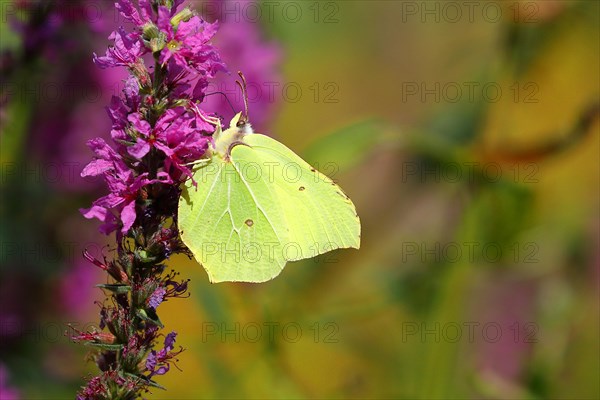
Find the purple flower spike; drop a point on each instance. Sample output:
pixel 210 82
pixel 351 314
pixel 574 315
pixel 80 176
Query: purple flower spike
pixel 160 126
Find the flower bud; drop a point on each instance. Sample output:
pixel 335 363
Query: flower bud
pixel 141 73
pixel 182 15
pixel 150 31
pixel 157 44
pixel 153 38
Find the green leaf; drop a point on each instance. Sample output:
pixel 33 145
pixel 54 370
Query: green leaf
pixel 105 346
pixel 150 316
pixel 115 288
pixel 349 146
pixel 149 382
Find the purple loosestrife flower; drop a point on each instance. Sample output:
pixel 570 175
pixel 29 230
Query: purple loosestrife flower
pixel 158 363
pixel 157 297
pixel 120 109
pixel 130 13
pixel 123 184
pixel 158 127
pixel 126 51
pixel 188 44
pixel 176 134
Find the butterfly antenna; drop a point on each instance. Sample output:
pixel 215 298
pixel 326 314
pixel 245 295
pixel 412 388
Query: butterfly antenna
pixel 244 87
pixel 226 98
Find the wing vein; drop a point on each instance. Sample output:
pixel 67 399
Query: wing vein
pixel 258 206
pixel 208 196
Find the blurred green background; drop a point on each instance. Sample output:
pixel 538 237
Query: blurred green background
pixel 470 145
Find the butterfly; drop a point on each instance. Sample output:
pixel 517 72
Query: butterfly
pixel 254 205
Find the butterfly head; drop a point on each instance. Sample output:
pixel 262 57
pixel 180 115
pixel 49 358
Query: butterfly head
pixel 224 141
pixel 240 123
pixel 239 126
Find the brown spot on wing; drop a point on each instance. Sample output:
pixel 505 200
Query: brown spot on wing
pixel 249 222
pixel 301 188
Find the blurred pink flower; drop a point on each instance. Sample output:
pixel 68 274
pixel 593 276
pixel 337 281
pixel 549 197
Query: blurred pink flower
pixel 509 306
pixel 76 288
pixel 243 48
pixel 6 392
